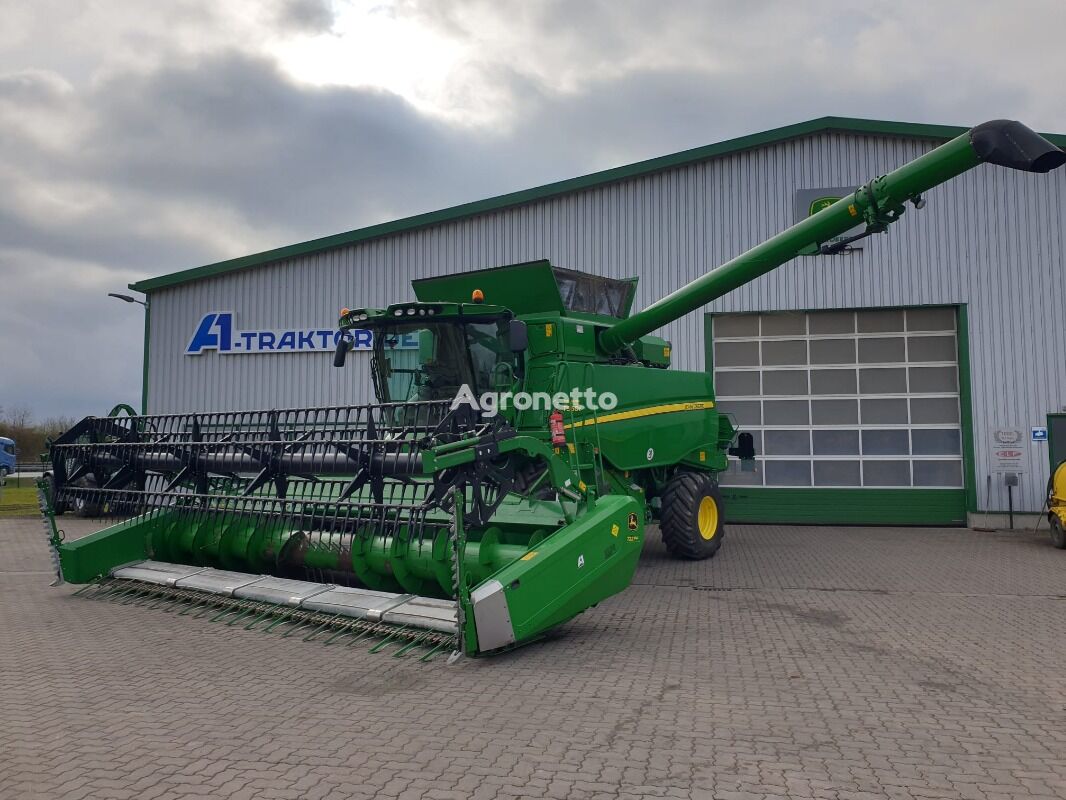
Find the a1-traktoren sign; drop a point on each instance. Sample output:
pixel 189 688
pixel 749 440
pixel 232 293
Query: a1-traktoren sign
pixel 217 331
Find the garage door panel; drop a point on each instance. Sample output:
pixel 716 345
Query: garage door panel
pixel 849 400
pixel 936 442
pixel 880 321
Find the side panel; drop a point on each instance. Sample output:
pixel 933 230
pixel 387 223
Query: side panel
pixel 575 568
pixel 661 415
pixel 86 559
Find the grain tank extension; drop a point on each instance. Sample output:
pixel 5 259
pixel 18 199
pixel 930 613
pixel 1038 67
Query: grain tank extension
pixel 427 526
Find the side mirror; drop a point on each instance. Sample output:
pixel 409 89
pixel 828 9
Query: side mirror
pixel 517 336
pixel 344 344
pixel 745 451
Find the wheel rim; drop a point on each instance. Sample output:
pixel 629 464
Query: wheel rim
pixel 707 518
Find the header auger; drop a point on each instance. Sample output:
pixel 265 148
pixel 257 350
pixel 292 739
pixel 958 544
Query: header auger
pixel 424 523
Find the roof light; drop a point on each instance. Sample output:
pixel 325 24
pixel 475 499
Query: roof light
pixel 345 312
pixel 398 312
pixel 477 296
pixel 410 312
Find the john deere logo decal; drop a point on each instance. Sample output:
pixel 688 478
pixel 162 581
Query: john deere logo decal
pixel 819 204
pixel 633 522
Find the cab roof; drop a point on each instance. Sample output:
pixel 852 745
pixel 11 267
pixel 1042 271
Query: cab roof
pixel 534 287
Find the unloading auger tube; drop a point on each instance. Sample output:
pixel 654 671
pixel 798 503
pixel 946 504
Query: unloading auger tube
pixel 878 204
pixel 395 522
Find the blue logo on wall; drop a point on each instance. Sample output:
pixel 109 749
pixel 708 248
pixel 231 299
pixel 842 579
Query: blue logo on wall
pixel 216 331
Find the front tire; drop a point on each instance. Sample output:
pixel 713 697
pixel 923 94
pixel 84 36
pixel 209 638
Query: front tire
pixel 691 522
pixel 1058 533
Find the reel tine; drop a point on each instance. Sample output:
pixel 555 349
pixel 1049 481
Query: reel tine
pixel 251 608
pixel 97 586
pixel 411 645
pixel 326 624
pixel 303 623
pixel 224 612
pixel 174 602
pixel 194 604
pixel 163 596
pixel 139 597
pixel 122 592
pixel 444 644
pixel 280 620
pixel 266 613
pixel 344 631
pixel 381 645
pixel 366 633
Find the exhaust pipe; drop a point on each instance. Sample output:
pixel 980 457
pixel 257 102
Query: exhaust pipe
pixel 1009 143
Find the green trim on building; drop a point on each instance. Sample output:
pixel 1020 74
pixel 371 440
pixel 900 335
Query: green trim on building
pixel 596 179
pixel 144 367
pixel 935 507
pixel 969 457
pixel 1052 446
pixel 708 344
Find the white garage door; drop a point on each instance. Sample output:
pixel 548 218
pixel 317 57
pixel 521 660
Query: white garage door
pixel 843 399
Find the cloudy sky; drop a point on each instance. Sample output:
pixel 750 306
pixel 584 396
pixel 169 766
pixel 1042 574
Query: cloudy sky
pixel 139 138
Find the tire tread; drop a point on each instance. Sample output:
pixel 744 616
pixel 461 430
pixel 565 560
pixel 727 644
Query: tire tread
pixel 681 497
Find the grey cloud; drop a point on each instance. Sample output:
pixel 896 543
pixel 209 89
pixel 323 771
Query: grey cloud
pixel 212 154
pixel 310 16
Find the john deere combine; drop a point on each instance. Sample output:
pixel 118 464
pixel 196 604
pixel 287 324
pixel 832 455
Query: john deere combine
pixel 425 523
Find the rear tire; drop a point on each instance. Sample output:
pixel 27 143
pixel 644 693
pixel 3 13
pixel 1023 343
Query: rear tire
pixel 1058 534
pixel 691 522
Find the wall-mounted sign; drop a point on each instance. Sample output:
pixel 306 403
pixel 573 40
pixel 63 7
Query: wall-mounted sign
pixel 1008 453
pixel 217 331
pixel 1039 433
pixel 809 202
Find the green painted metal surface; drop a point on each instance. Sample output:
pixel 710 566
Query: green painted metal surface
pixel 962 320
pixel 877 204
pixel 521 526
pixel 576 568
pixel 941 507
pixel 94 556
pixel 523 288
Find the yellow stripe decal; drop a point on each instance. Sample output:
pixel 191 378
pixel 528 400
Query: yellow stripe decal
pixel 669 408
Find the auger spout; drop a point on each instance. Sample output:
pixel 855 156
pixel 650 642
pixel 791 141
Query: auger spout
pixel 878 203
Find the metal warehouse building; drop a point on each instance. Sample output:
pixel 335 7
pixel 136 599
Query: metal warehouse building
pixel 903 381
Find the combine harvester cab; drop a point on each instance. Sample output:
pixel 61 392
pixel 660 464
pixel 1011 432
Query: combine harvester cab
pixel 443 517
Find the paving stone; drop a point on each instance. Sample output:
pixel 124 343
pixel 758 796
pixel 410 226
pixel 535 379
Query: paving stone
pixel 835 663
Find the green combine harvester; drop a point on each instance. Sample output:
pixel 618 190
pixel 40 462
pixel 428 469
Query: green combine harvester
pixel 431 525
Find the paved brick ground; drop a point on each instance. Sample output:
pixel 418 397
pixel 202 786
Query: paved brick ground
pixel 802 662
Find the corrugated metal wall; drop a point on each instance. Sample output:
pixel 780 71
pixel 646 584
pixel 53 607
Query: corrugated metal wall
pixel 992 239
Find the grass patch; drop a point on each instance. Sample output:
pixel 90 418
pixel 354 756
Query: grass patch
pixel 18 501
